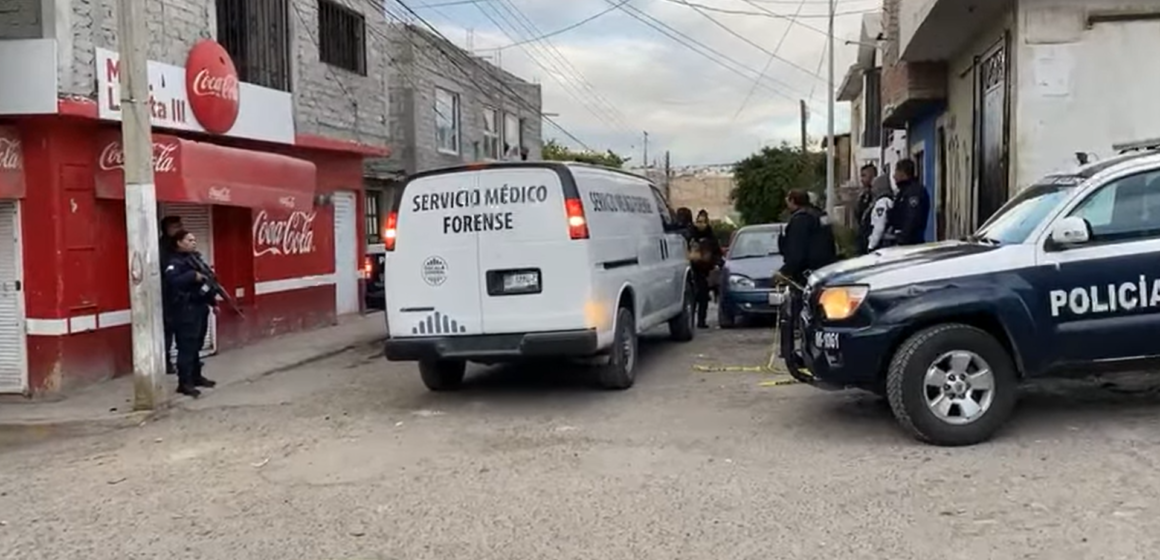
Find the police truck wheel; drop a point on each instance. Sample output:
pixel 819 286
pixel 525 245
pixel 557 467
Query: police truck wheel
pixel 683 327
pixel 952 385
pixel 442 375
pixel 620 372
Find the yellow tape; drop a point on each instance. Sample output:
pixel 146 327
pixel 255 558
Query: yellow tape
pixel 779 382
pixel 768 368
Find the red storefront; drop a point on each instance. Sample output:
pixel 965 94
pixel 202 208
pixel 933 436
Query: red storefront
pixel 276 213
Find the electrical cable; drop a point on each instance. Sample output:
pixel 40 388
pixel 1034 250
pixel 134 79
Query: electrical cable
pixel 768 62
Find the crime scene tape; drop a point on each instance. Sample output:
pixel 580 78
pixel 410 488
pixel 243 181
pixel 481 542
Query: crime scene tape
pixel 767 368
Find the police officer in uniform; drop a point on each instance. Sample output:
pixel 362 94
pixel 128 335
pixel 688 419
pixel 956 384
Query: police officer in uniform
pixel 911 206
pixel 189 304
pixel 876 220
pixel 170 225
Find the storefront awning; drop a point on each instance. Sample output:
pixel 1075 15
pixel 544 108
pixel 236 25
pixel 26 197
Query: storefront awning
pixel 198 172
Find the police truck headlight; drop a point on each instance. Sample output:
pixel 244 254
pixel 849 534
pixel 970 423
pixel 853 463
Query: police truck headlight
pixel 739 282
pixel 840 302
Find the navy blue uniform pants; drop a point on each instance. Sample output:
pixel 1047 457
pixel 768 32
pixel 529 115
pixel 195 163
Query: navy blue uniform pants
pixel 189 332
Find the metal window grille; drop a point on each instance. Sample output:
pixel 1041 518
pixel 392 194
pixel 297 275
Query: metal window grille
pixel 371 215
pixel 342 37
pixel 256 34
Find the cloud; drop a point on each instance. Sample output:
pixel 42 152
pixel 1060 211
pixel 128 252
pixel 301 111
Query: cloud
pixel 616 77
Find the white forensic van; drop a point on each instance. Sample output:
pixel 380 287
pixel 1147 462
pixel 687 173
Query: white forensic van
pixel 498 262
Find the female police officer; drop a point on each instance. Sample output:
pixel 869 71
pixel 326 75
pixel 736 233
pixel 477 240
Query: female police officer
pixel 188 308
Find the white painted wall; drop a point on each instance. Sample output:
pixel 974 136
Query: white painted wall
pixel 1082 89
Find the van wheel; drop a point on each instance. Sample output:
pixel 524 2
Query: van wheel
pixel 620 372
pixel 952 385
pixel 442 375
pixel 683 327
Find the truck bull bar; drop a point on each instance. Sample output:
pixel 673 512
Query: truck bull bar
pixel 788 317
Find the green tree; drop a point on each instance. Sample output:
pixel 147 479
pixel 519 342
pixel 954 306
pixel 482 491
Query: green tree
pixel 554 151
pixel 763 179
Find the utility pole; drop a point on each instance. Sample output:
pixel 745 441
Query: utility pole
pixel 830 151
pixel 140 208
pixel 668 175
pixel 645 160
pixel 805 123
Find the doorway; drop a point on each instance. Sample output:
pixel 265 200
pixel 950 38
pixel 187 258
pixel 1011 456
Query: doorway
pixel 197 220
pixel 991 132
pixel 13 346
pixel 346 254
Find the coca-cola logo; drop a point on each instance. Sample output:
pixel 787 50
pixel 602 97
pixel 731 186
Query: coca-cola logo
pixel 11 158
pixel 292 235
pixel 211 83
pixel 219 194
pixel 164 157
pixel 287 201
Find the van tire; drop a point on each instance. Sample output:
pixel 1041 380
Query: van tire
pixel 442 375
pixel 682 327
pixel 620 371
pixel 907 391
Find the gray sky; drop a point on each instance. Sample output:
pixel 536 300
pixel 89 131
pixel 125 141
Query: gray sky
pixel 614 77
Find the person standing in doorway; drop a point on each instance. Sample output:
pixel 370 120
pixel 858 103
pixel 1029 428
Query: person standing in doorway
pixel 704 256
pixel 170 225
pixel 189 305
pixel 911 205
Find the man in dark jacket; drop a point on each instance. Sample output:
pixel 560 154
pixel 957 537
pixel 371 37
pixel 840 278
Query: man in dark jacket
pixel 911 206
pixel 807 242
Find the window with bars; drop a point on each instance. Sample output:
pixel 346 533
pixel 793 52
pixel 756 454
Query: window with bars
pixel 490 133
pixel 371 216
pixel 256 34
pixel 342 38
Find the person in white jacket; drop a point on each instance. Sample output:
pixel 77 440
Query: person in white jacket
pixel 882 192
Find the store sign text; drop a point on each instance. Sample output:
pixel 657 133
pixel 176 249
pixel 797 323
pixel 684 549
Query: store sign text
pixel 11 156
pixel 164 157
pixel 168 105
pixel 292 235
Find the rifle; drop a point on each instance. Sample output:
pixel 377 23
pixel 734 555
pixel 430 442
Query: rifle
pixel 212 286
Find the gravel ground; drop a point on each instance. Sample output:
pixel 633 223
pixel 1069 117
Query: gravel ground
pixel 353 459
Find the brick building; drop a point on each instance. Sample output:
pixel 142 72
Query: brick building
pixel 448 107
pixel 263 112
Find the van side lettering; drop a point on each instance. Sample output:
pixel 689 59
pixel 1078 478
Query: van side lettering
pixel 1110 298
pixel 612 202
pixel 502 196
pixel 445 200
pixel 475 223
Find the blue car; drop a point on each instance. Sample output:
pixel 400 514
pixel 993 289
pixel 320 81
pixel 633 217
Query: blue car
pixel 747 277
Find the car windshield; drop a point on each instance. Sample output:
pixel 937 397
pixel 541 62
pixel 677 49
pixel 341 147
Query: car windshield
pixel 754 243
pixel 1020 215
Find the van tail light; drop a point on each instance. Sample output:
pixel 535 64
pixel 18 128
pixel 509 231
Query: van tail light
pixel 577 223
pixel 368 267
pixel 391 233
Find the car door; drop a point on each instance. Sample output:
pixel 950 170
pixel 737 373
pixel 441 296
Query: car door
pixel 1103 296
pixel 674 252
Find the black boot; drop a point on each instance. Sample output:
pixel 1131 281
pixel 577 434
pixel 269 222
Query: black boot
pixel 203 382
pixel 188 391
pixel 702 316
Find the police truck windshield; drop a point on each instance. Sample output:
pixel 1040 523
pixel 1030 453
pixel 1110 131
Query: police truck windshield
pixel 1016 219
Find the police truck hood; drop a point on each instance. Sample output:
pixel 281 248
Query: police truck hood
pixel 892 266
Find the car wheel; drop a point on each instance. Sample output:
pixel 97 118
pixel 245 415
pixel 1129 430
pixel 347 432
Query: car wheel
pixel 442 375
pixel 725 319
pixel 683 327
pixel 620 372
pixel 952 385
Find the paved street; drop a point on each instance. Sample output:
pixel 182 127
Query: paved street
pixel 351 458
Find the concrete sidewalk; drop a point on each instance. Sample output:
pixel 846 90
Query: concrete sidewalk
pixel 109 405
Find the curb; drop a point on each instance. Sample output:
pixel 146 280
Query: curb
pixel 29 431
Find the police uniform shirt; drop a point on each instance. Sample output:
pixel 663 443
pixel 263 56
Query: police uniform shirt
pixel 879 219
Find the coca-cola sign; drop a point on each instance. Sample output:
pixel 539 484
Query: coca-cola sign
pixel 11 156
pixel 211 83
pixel 292 235
pixel 164 157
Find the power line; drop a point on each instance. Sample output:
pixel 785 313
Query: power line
pixel 452 59
pixel 558 31
pixel 768 62
pixel 769 14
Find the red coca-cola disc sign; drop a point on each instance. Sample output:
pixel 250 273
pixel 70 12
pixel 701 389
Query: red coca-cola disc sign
pixel 211 83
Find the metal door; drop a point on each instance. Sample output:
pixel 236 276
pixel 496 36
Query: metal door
pixel 13 349
pixel 345 254
pixel 991 132
pixel 197 220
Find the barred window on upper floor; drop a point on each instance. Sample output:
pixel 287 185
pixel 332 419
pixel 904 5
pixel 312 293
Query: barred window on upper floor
pixel 342 39
pixel 490 133
pixel 256 34
pixel 446 121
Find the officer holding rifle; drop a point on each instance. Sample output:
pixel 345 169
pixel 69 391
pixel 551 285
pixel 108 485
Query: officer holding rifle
pixel 192 294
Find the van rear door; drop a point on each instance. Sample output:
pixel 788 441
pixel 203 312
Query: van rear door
pixel 534 277
pixel 432 286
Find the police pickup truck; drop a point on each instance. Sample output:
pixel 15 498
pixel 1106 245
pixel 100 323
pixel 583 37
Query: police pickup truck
pixel 1064 278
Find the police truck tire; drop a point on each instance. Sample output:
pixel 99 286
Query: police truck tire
pixel 682 327
pixel 620 372
pixel 907 390
pixel 442 375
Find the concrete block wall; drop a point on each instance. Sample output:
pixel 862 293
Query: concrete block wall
pixel 422 64
pixel 328 101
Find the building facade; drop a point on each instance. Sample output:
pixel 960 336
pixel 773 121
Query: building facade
pixel 1010 90
pixel 263 112
pixel 448 107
